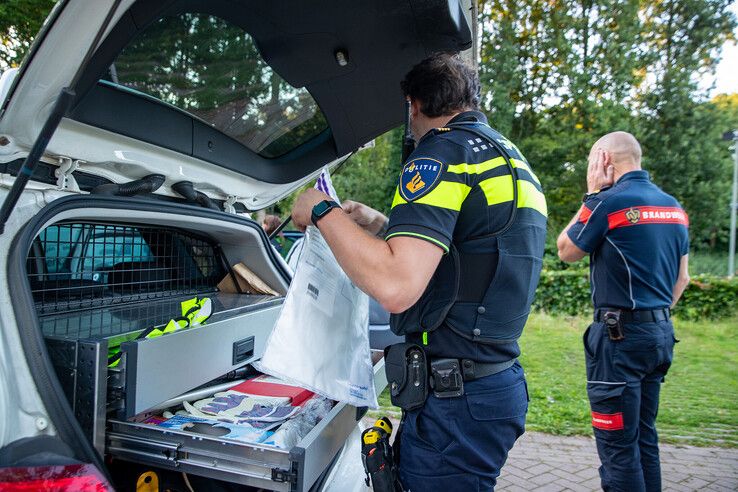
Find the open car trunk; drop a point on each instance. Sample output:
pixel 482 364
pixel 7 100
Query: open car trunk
pixel 98 283
pixel 241 101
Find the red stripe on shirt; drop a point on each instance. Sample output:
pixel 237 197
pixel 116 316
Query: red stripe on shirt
pixel 584 214
pixel 647 215
pixel 607 421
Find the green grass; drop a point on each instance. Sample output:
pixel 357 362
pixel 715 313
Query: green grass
pixel 699 401
pixel 711 263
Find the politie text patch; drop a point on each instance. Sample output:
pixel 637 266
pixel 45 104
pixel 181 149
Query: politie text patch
pixel 418 177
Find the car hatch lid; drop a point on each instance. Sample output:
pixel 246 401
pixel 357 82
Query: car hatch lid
pixel 244 99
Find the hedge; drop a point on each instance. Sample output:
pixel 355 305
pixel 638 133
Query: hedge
pixel 706 297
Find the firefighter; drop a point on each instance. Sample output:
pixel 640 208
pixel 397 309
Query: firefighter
pixel 636 236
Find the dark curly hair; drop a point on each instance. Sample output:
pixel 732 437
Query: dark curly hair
pixel 444 84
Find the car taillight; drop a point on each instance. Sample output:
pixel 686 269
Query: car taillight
pixel 65 478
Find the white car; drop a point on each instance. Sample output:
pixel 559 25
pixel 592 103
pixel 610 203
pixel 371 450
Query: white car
pixel 131 140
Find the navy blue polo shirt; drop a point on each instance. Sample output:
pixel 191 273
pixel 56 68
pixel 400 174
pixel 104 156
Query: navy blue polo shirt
pixel 636 235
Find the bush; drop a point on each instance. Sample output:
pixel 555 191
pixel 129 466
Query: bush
pixel 564 292
pixel 711 263
pixel 706 297
pixel 709 296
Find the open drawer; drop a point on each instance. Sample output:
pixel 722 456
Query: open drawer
pixel 256 465
pixel 154 369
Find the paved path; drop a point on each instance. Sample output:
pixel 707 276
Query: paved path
pixel 541 462
pixel 546 463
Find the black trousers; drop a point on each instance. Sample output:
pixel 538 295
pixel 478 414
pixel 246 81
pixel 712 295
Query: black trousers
pixel 460 444
pixel 623 384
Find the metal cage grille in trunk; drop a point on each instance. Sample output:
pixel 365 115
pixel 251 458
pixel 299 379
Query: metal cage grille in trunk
pixel 93 270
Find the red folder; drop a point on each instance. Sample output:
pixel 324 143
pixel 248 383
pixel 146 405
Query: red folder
pixel 265 385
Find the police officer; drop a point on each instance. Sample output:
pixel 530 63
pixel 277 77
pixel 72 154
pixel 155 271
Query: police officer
pixel 636 236
pixel 458 268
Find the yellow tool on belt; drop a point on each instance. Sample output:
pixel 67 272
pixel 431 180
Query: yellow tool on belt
pixel 376 454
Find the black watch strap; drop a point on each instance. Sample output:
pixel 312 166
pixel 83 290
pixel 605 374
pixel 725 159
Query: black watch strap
pixel 589 194
pixel 321 209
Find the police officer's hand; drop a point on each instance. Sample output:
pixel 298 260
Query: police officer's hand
pixel 302 209
pixel 600 172
pixel 372 221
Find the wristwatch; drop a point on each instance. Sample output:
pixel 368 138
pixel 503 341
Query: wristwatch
pixel 321 209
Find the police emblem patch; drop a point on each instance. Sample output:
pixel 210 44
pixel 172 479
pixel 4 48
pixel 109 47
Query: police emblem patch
pixel 633 215
pixel 419 177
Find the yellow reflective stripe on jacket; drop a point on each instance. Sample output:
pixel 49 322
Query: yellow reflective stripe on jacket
pixel 524 165
pixel 490 164
pixel 398 200
pixel 446 194
pixel 464 168
pixel 422 236
pixel 499 190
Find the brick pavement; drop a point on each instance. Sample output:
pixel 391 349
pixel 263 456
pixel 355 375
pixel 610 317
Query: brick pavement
pixel 546 463
pixel 541 462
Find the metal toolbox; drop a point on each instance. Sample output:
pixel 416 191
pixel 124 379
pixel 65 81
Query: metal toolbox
pixel 235 335
pixel 151 370
pixel 256 465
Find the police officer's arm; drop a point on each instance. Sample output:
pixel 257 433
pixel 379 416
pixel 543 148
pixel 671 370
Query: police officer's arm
pixel 395 272
pixel 682 280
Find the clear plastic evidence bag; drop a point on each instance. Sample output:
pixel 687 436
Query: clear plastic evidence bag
pixel 321 339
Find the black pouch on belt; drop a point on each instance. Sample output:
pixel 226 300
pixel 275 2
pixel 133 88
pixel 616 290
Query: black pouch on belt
pixel 407 375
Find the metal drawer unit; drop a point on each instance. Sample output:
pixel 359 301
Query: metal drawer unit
pixel 154 370
pixel 238 462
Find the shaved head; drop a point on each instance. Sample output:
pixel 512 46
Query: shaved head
pixel 623 148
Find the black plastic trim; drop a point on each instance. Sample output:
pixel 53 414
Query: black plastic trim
pixel 36 451
pixel 32 340
pixel 45 173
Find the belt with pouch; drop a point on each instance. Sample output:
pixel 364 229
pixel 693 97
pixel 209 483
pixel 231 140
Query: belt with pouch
pixel 640 316
pixel 411 374
pixel 471 370
pixel 448 375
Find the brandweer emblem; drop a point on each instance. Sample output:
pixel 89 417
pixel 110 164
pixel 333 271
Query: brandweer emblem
pixel 633 215
pixel 419 177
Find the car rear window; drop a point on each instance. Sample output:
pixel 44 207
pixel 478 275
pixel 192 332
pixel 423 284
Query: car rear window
pixel 213 70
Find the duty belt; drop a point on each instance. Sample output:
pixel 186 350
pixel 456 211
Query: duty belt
pixel 447 376
pixel 640 316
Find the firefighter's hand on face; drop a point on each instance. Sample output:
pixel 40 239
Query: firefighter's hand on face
pixel 372 221
pixel 600 171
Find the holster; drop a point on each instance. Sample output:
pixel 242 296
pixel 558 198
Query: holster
pixel 614 325
pixel 406 367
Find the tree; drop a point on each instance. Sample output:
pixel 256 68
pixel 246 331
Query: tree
pixel 680 132
pixel 20 20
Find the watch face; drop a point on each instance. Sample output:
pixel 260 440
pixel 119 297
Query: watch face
pixel 322 208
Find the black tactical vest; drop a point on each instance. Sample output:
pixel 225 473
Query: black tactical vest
pixel 484 298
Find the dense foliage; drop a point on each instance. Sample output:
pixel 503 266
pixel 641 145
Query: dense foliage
pixel 707 296
pixel 20 20
pixel 556 75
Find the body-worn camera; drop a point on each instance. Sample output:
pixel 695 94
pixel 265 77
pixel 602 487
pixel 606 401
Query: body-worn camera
pixel 446 378
pixel 614 325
